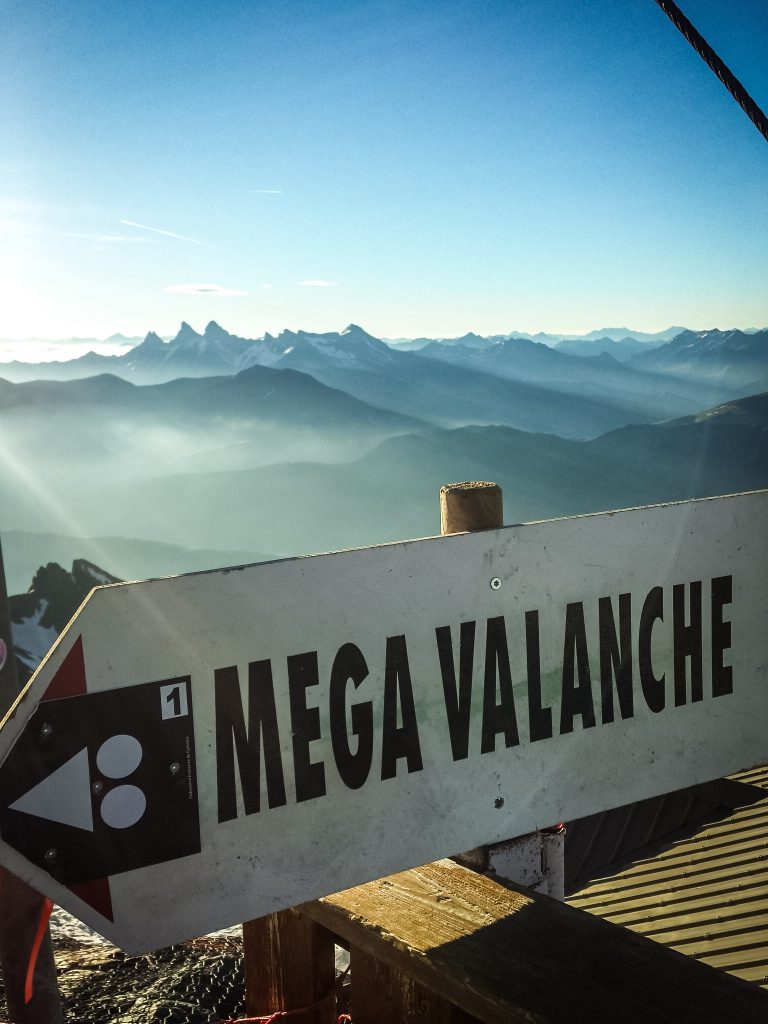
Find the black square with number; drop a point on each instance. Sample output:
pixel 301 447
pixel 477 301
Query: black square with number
pixel 104 783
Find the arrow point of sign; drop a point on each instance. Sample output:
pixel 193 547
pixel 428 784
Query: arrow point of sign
pixel 96 894
pixel 69 680
pixel 63 796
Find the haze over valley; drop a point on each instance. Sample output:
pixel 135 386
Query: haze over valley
pixel 211 449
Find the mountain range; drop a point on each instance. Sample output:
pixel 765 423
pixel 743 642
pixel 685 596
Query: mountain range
pixel 216 351
pixel 615 334
pixel 466 380
pixel 217 449
pixel 348 384
pixel 734 359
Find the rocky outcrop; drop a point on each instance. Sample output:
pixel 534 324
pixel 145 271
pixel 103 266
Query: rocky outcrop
pixel 38 616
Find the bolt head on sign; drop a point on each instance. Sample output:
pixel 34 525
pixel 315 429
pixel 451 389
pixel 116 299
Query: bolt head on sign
pixel 201 750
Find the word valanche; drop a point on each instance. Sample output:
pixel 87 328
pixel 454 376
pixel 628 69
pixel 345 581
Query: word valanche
pixel 617 634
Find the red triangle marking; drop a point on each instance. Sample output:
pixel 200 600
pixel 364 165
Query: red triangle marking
pixel 69 681
pixel 97 895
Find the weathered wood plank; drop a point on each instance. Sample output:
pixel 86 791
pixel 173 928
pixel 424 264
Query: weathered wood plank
pixel 508 956
pixel 289 964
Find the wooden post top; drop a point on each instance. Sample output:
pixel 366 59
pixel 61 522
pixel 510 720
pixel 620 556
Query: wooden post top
pixel 471 505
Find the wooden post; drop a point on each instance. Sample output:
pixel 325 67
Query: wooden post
pixel 465 508
pixel 470 506
pixel 289 960
pixel 20 906
pixel 379 990
pixel 289 964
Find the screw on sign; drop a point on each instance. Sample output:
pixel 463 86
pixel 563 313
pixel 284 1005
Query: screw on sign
pixel 180 760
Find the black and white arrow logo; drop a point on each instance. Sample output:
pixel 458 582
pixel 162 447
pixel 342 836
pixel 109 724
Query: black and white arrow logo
pixel 104 782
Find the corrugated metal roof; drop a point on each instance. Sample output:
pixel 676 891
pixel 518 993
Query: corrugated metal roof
pixel 705 895
pixel 603 843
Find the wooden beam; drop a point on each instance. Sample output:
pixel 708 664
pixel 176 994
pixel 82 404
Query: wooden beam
pixel 506 955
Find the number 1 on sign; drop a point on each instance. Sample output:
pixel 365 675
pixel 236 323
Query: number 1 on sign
pixel 173 700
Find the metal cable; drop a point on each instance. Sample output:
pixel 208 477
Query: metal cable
pixel 708 55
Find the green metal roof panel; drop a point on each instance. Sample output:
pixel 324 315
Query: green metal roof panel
pixel 705 895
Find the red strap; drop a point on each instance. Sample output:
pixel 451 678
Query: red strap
pixel 45 912
pixel 270 1018
pixel 344 1018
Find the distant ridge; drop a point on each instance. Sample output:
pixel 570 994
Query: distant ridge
pixel 352 361
pixel 217 351
pixel 613 334
pixel 734 358
pixel 573 387
pixel 231 347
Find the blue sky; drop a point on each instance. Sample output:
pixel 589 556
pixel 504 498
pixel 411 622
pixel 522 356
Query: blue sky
pixel 418 168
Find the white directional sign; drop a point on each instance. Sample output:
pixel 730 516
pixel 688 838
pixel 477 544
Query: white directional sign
pixel 201 750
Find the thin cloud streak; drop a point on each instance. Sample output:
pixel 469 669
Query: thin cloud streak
pixel 319 283
pixel 202 289
pixel 107 238
pixel 161 231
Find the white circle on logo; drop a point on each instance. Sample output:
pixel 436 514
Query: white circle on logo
pixel 3 653
pixel 123 806
pixel 119 756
